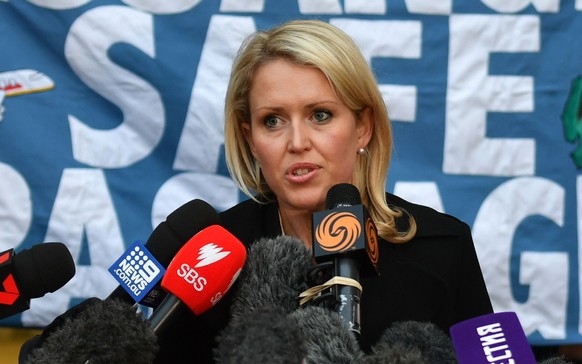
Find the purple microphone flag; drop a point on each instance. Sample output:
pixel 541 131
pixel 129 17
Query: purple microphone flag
pixel 496 338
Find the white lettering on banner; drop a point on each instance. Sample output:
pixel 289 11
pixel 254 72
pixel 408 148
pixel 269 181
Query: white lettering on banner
pixel 86 48
pixel 372 7
pixel 377 7
pixel 59 4
pixel 249 6
pixel 544 287
pixel 400 102
pixel 319 6
pixel 203 134
pixel 441 7
pixel 424 193
pixel 375 40
pixel 515 6
pixel 471 93
pixel 15 207
pixel 163 7
pixel 83 206
pixel 578 5
pixel 219 191
pixel 546 273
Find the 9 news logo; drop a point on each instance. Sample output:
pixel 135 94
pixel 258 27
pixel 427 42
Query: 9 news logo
pixel 137 271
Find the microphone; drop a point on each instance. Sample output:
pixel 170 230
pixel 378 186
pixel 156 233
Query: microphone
pixel 396 354
pixel 102 332
pixel 327 336
pixel 412 342
pixel 555 360
pixel 32 273
pixel 264 335
pixel 164 242
pixel 345 234
pixel 269 334
pixel 274 273
pixel 491 338
pixel 199 275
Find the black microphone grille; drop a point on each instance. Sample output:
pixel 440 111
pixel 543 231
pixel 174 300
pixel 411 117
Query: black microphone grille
pixel 342 194
pixel 424 338
pixel 98 332
pixel 192 217
pixel 170 235
pixel 43 268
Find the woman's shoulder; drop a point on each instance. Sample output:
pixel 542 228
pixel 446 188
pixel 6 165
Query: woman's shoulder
pixel 250 219
pixel 428 220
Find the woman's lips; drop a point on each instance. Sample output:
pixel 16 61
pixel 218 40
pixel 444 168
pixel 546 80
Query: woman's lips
pixel 301 172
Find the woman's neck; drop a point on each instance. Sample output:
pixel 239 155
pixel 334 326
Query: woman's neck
pixel 297 224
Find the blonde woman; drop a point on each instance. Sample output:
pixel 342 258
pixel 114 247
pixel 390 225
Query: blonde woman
pixel 304 112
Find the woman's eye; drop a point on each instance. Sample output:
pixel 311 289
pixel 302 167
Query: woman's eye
pixel 271 121
pixel 321 115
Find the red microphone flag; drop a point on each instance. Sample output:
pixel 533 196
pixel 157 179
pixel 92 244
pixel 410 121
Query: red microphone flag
pixel 205 268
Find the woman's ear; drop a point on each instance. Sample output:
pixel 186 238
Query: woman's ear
pixel 365 127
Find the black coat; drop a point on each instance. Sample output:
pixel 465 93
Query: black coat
pixel 435 277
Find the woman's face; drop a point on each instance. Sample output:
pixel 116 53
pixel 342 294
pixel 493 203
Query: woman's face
pixel 305 139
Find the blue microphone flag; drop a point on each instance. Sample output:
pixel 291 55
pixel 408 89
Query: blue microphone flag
pixel 137 271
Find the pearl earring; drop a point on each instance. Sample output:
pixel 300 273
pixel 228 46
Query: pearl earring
pixel 361 151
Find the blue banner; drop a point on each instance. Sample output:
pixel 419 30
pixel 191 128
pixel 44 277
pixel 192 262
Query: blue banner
pixel 112 116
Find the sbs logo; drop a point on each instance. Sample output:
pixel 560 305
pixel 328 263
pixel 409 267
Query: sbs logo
pixel 338 231
pixel 209 254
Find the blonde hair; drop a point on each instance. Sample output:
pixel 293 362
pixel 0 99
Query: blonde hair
pixel 318 44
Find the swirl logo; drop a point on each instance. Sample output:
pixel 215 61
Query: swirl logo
pixel 372 242
pixel 338 231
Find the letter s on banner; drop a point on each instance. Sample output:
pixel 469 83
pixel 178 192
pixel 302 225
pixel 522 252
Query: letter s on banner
pixel 140 102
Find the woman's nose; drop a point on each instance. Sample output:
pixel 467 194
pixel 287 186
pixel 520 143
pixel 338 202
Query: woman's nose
pixel 300 136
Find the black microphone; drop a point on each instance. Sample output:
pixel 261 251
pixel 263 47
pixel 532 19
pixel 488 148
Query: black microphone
pixel 167 239
pixel 412 342
pixel 327 336
pixel 555 360
pixel 32 273
pixel 102 332
pixel 274 273
pixel 264 335
pixel 269 334
pixel 346 235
